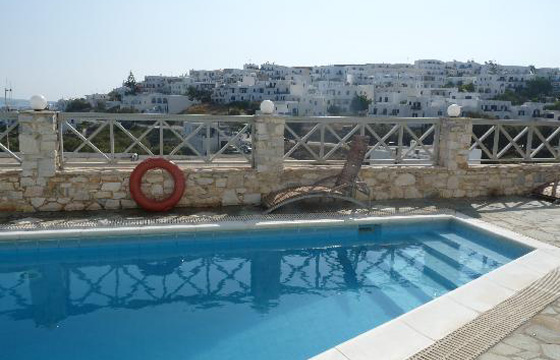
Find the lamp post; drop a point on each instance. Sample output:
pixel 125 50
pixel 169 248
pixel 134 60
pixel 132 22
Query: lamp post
pixel 267 107
pixel 38 102
pixel 454 110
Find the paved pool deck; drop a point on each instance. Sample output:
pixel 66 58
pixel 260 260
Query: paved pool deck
pixel 537 339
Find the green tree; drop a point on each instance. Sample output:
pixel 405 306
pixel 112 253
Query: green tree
pixel 101 107
pixel 131 84
pixel 555 106
pixel 78 105
pixel 535 90
pixel 494 67
pixel 467 88
pixel 515 97
pixel 114 96
pixel 204 96
pixel 359 104
pixel 333 110
pixel 532 69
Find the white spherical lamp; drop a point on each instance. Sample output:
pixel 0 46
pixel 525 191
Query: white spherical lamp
pixel 267 107
pixel 454 110
pixel 38 102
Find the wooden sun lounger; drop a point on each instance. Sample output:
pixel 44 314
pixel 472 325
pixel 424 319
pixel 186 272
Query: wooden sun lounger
pixel 549 191
pixel 344 188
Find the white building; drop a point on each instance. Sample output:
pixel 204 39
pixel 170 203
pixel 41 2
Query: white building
pixel 157 103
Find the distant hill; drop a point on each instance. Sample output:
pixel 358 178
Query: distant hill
pixel 16 103
pixel 21 104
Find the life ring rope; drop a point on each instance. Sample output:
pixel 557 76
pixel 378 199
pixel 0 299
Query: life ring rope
pixel 147 203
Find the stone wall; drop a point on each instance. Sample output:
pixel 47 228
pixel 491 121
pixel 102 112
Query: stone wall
pixel 38 186
pixel 94 189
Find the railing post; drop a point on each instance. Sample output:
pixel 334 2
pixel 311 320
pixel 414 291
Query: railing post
pixel 60 156
pixel 38 146
pixel 529 147
pixel 268 144
pixel 454 143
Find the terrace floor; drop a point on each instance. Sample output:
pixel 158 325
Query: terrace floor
pixel 539 338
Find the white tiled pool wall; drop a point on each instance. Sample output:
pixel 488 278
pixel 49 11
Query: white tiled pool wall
pixel 241 225
pixel 420 327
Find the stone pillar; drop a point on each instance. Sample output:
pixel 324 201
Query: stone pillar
pixel 268 145
pixel 455 140
pixel 38 148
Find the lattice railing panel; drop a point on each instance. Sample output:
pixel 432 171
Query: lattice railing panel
pixel 516 141
pixel 9 142
pixel 392 141
pixel 88 138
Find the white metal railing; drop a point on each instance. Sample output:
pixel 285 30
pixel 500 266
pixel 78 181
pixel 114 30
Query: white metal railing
pixel 90 138
pixel 9 142
pixel 325 140
pixel 502 141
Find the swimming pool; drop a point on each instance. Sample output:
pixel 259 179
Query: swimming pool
pixel 263 294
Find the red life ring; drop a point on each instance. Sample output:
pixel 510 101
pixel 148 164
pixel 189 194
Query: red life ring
pixel 151 204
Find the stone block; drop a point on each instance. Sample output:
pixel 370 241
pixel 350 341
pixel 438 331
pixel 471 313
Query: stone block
pixel 75 206
pixel 128 204
pixel 37 202
pixel 103 195
pixel 81 195
pixel 29 144
pixel 14 195
pixel 405 180
pixel 93 207
pixel 111 186
pixel 52 206
pixel 119 195
pixel 27 181
pixel 235 181
pixel 230 198
pixel 33 191
pixel 46 168
pixel 452 183
pixel 252 198
pixel 412 193
pixel 204 181
pixel 112 204
pixel 6 186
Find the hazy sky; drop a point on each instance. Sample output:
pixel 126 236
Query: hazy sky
pixel 68 48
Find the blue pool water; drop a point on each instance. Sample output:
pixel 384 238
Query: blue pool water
pixel 285 294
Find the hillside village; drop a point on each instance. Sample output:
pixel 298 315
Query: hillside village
pixel 423 89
